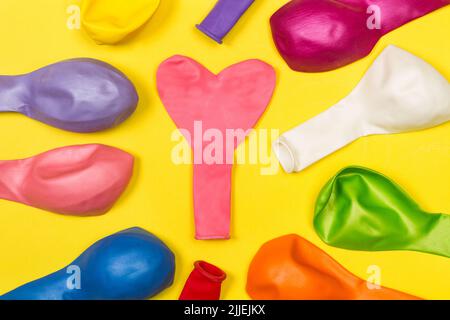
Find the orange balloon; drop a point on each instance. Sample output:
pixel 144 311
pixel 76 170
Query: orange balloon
pixel 292 268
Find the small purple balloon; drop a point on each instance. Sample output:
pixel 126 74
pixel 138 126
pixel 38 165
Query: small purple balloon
pixel 223 17
pixel 79 95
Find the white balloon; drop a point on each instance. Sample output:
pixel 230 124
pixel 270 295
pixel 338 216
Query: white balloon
pixel 399 93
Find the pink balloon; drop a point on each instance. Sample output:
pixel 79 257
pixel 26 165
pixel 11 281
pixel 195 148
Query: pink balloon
pixel 322 35
pixel 201 102
pixel 83 180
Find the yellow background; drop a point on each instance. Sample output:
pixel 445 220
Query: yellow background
pixel 34 243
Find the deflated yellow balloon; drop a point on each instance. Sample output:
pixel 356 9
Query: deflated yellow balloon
pixel 110 21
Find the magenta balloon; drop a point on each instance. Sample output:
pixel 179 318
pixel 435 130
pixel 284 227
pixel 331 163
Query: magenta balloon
pixel 322 35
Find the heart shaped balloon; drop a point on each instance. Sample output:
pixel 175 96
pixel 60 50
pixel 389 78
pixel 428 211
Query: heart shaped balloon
pixel 214 107
pixel 82 180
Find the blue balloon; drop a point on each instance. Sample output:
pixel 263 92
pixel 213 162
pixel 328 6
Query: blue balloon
pixel 129 265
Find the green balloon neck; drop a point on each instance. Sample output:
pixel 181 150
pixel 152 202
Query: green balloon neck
pixel 436 238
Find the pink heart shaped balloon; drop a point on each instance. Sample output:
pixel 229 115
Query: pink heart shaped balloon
pixel 220 108
pixel 82 180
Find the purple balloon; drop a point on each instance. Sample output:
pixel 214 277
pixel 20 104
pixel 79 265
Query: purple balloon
pixel 80 95
pixel 223 17
pixel 322 35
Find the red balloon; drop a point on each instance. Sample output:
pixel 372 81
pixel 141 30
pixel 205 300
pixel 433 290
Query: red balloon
pixel 204 282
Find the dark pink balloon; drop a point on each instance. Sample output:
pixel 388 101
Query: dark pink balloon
pixel 82 180
pixel 322 35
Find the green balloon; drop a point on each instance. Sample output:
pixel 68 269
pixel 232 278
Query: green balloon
pixel 360 209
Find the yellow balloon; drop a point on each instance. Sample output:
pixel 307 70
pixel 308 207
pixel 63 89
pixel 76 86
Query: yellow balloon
pixel 110 21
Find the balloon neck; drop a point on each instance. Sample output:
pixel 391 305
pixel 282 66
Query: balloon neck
pixel 390 17
pixel 12 94
pixel 436 239
pixel 223 17
pixel 204 283
pixel 371 291
pixel 45 290
pixel 11 177
pixel 212 201
pixel 320 136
